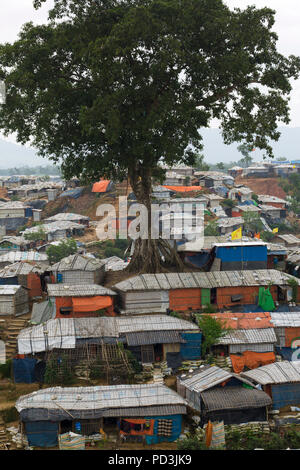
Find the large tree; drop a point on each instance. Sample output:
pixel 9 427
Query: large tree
pixel 117 87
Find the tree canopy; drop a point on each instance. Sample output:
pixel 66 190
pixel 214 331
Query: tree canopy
pixel 114 88
pixel 64 248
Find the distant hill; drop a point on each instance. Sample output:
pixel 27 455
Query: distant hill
pixel 216 151
pixel 12 155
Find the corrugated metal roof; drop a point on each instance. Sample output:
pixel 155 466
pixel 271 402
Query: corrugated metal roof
pixel 15 240
pixel 66 216
pixel 208 280
pixel 266 198
pixel 77 290
pixel 14 256
pixel 42 312
pixel 47 336
pixel 227 398
pixel 9 289
pixel 77 262
pixel 285 319
pixel 39 186
pixel 54 227
pixel 207 243
pixel 157 337
pixel 99 327
pixel 100 397
pixel 278 372
pixel 289 239
pixel 267 208
pixel 251 336
pixel 96 327
pixel 230 221
pixel 205 378
pixel 294 257
pixel 153 323
pixel 247 208
pixel 20 268
pixel 13 205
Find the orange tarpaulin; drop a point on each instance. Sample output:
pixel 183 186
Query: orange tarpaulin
pixel 91 304
pixel 208 434
pixel 183 189
pixel 100 186
pixel 251 359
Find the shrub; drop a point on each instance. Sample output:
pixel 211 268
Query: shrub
pixel 10 415
pixel 191 443
pixel 6 369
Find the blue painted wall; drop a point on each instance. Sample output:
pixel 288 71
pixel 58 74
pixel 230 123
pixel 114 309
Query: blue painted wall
pixel 192 348
pixel 239 253
pixel 285 394
pixel 176 429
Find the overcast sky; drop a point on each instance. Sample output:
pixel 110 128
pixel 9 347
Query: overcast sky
pixel 14 13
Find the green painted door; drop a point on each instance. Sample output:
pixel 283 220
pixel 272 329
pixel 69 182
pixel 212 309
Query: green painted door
pixel 205 297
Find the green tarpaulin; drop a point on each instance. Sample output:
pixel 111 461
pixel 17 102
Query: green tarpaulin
pixel 265 300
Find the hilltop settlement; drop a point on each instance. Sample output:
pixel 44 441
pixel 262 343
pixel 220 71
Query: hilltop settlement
pixel 94 355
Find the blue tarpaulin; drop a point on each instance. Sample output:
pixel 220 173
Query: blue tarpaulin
pixel 191 349
pixel 199 259
pixel 74 193
pixel 24 370
pixel 176 429
pixel 285 394
pixel 287 353
pixel 11 281
pixel 42 433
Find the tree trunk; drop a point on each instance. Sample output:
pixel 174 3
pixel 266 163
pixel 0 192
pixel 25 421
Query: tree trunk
pixel 150 255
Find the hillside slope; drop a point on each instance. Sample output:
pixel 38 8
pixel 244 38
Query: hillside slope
pixel 268 186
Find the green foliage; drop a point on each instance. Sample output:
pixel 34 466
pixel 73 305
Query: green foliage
pixel 191 443
pixel 113 247
pixel 245 150
pixel 39 235
pixel 58 371
pixel 50 376
pixel 252 222
pixel 174 314
pixel 127 76
pixel 112 251
pixel 212 329
pixel 294 285
pixel 28 171
pixel 267 236
pixel 97 370
pixel 200 164
pixel 291 186
pixel 10 415
pixel 209 309
pixel 237 440
pixel 220 166
pixel 5 369
pixel 211 229
pixel 228 203
pixel 14 198
pixel 64 248
pixel 136 366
